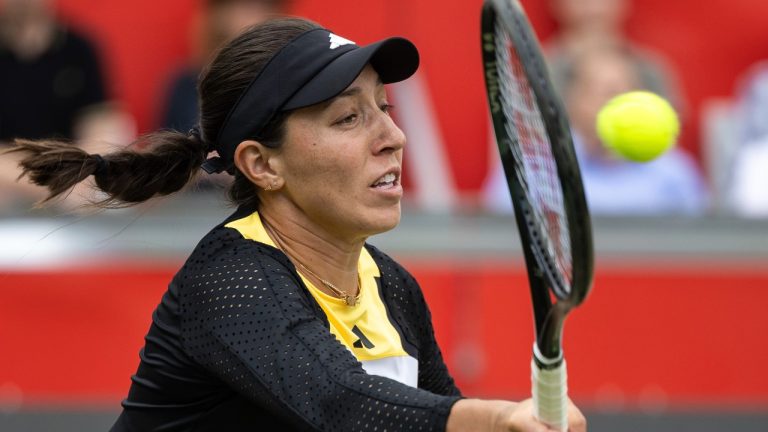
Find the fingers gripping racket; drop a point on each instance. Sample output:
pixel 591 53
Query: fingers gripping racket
pixel 536 150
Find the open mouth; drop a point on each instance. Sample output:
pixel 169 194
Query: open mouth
pixel 385 181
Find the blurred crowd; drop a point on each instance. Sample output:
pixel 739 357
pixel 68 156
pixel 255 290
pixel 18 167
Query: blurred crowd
pixel 591 60
pixel 53 85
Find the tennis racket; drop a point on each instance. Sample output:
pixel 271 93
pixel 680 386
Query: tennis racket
pixel 544 180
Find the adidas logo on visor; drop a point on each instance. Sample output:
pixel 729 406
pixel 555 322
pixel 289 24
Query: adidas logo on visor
pixel 337 41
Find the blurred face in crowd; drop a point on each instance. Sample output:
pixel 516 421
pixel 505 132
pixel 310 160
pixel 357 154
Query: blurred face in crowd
pixel 27 26
pixel 227 18
pixel 25 9
pixel 598 76
pixel 583 14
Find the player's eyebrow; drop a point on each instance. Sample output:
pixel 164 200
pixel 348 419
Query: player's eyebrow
pixel 352 91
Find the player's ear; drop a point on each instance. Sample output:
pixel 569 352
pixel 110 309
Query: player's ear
pixel 258 162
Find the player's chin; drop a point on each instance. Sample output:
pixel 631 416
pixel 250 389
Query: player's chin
pixel 383 218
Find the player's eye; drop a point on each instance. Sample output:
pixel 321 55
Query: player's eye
pixel 346 120
pixel 387 108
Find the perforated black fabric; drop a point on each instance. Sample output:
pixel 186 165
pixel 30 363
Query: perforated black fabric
pixel 238 343
pixel 405 301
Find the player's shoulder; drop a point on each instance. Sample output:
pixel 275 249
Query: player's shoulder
pixel 224 256
pixel 230 273
pixel 395 278
pixel 388 267
pixel 225 243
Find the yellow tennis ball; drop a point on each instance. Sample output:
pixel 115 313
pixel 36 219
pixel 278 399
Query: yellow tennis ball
pixel 639 125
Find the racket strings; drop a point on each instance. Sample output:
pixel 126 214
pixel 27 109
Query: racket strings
pixel 533 155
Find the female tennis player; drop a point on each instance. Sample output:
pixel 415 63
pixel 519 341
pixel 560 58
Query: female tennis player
pixel 283 316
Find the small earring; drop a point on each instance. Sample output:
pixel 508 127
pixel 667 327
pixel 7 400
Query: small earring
pixel 269 187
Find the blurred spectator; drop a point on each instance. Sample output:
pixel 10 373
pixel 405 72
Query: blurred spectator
pixel 670 184
pixel 587 22
pixel 221 21
pixel 48 73
pixel 52 87
pixel 748 194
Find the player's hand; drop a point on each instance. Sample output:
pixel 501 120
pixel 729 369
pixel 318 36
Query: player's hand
pixel 477 415
pixel 576 420
pixel 519 418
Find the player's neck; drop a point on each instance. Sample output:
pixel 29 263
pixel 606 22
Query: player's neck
pixel 324 256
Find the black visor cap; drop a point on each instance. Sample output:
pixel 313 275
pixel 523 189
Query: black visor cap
pixel 314 67
pixel 394 59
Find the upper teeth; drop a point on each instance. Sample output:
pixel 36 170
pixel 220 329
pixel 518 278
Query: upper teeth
pixel 386 178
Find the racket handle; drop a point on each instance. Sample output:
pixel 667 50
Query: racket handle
pixel 550 394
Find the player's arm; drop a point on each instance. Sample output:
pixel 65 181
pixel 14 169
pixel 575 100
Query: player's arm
pixel 407 306
pixel 433 372
pixel 264 339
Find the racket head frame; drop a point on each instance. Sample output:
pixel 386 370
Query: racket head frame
pixel 544 278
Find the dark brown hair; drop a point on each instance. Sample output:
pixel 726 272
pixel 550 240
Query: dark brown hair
pixel 163 162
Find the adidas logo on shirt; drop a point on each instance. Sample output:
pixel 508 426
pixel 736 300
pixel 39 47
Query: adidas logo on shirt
pixel 363 341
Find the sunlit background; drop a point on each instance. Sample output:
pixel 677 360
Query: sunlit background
pixel 673 338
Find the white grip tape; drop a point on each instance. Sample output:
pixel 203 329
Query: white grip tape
pixel 550 395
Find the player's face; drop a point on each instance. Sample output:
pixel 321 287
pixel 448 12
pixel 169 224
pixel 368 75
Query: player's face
pixel 341 161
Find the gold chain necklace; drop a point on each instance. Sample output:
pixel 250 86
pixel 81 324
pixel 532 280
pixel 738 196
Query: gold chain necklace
pixel 348 299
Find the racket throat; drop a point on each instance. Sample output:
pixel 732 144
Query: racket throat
pixel 545 362
pixel 548 349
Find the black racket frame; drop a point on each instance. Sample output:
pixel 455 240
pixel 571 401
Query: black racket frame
pixel 543 276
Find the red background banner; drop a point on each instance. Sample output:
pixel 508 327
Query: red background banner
pixel 676 336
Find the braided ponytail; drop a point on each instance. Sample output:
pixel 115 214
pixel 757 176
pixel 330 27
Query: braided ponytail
pixel 165 163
